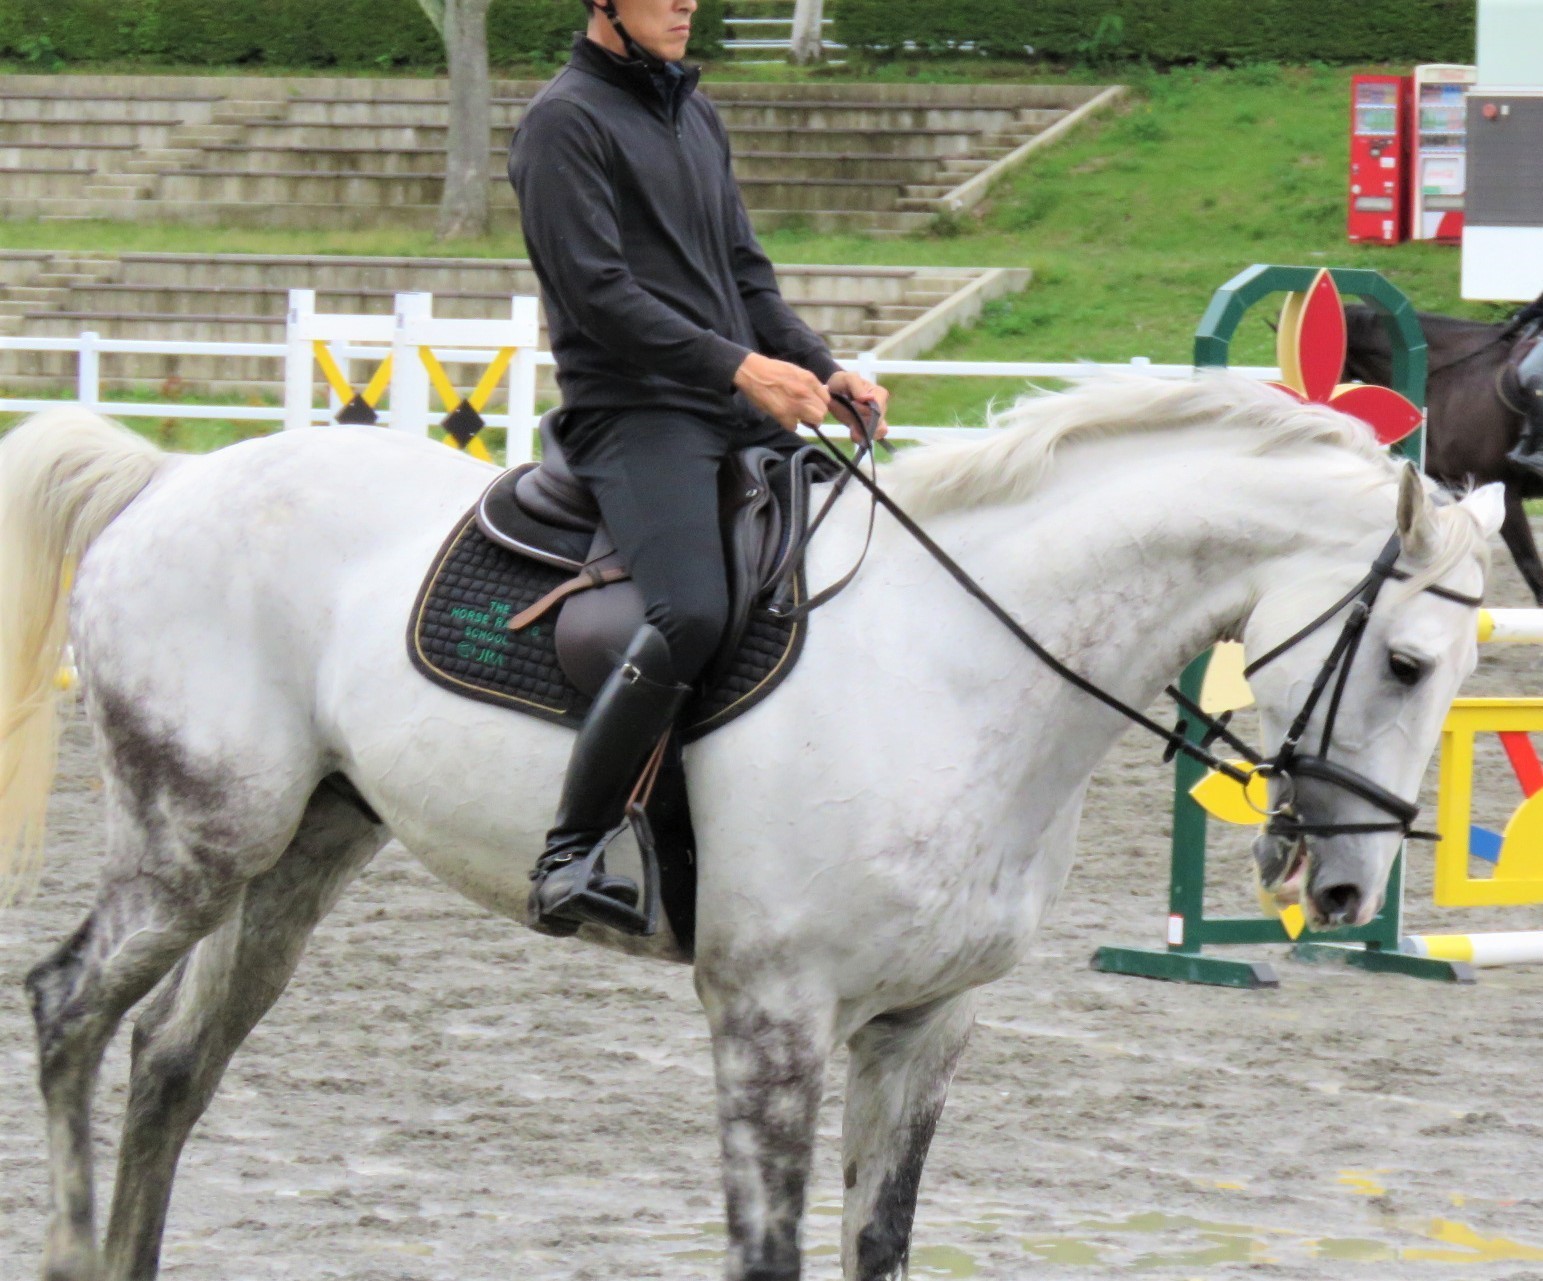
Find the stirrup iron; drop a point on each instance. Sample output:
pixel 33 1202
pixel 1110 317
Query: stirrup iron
pixel 587 906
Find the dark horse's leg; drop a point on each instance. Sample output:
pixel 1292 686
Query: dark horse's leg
pixel 185 1039
pixel 1518 538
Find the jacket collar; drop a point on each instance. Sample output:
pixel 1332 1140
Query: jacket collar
pixel 632 75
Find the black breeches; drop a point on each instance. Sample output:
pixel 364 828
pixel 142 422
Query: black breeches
pixel 654 474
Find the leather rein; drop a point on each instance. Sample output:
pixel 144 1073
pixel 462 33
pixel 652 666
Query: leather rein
pixel 1287 764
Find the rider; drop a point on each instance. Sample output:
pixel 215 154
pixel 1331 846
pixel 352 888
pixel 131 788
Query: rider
pixel 674 348
pixel 1528 323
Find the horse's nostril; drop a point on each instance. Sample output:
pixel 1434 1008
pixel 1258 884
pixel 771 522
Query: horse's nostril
pixel 1339 904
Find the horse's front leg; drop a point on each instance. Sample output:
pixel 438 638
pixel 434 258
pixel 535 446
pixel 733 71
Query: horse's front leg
pixel 897 1080
pixel 771 1043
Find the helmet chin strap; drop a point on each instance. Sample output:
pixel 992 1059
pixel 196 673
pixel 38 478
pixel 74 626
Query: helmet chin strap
pixel 650 60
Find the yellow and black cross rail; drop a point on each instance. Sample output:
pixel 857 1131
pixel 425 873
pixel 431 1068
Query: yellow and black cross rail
pixel 463 421
pixel 358 406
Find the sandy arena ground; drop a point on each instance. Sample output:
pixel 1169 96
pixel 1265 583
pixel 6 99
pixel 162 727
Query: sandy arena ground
pixel 441 1095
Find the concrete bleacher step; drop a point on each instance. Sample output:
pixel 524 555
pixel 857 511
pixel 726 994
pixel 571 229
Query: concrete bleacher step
pixel 852 344
pixel 250 109
pixel 331 151
pixel 161 159
pixel 874 222
pixel 958 168
pixel 119 190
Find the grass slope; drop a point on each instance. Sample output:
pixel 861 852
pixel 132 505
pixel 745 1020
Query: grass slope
pixel 1129 225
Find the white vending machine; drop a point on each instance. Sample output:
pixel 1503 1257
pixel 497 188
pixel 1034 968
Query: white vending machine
pixel 1439 170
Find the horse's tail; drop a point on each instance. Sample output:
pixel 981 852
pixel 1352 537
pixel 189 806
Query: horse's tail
pixel 65 474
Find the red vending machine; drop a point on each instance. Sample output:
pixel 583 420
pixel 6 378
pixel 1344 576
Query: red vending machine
pixel 1380 132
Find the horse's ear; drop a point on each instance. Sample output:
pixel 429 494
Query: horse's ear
pixel 1416 516
pixel 1487 507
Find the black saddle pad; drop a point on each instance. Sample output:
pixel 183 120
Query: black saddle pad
pixel 458 638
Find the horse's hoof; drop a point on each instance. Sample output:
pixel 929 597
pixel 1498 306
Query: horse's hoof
pixel 71 1264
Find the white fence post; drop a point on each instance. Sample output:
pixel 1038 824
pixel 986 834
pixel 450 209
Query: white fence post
pixel 88 372
pixel 297 359
pixel 409 378
pixel 522 383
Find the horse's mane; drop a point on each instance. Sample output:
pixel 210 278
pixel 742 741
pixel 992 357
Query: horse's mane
pixel 1011 463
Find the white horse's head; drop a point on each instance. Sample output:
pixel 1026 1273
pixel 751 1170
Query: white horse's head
pixel 1363 712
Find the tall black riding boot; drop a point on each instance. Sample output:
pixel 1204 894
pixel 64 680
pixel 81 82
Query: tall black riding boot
pixel 635 706
pixel 1529 449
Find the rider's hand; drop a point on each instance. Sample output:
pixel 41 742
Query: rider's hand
pixel 863 392
pixel 789 394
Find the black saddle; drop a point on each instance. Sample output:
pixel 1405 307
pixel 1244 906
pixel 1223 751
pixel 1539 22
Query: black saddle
pixel 543 511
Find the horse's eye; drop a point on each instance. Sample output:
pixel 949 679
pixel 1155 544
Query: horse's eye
pixel 1406 670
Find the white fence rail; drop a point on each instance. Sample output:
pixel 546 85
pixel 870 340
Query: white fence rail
pixel 768 34
pixel 521 415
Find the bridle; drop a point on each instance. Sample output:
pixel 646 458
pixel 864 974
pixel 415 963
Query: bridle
pixel 1289 763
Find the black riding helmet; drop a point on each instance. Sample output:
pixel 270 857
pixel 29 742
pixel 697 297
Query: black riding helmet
pixel 633 48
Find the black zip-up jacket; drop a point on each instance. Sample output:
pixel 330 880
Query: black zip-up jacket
pixel 654 284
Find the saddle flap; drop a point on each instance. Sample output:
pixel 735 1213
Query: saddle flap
pixel 595 626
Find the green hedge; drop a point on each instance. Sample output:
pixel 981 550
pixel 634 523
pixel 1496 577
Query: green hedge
pixel 346 34
pixel 1168 32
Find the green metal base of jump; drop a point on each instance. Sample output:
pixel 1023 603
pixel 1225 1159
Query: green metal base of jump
pixel 1184 967
pixel 1382 961
pixel 1191 967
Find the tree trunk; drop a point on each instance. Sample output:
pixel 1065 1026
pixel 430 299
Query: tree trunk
pixel 463 209
pixel 807 17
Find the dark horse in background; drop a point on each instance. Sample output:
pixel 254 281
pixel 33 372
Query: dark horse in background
pixel 1473 406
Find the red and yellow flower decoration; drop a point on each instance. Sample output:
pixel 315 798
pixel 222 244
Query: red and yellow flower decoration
pixel 1310 349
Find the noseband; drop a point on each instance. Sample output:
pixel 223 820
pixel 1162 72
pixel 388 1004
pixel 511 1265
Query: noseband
pixel 1288 764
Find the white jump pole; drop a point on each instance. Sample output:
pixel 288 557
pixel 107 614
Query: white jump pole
pixel 1514 947
pixel 1511 626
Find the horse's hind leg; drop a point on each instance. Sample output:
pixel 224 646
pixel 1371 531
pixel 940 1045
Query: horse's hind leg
pixel 897 1080
pixel 185 1039
pixel 137 930
pixel 1517 533
pixel 185 832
